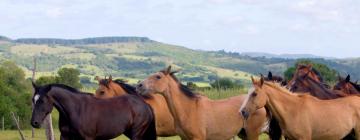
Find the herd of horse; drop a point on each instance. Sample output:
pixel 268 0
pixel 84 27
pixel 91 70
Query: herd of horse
pixel 303 108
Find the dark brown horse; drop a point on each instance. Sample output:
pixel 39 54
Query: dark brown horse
pixel 309 71
pixel 275 78
pixel 165 126
pixel 347 86
pixel 306 84
pixel 82 116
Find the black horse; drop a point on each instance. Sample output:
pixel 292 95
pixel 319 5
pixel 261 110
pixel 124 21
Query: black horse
pixel 82 116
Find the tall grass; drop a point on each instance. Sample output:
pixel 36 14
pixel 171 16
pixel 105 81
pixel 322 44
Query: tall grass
pixel 222 93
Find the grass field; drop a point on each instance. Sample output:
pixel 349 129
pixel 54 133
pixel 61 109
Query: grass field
pixel 40 135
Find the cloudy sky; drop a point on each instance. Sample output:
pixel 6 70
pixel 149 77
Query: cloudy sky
pixel 320 27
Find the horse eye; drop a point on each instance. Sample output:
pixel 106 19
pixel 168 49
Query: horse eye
pixel 158 77
pixel 102 92
pixel 254 94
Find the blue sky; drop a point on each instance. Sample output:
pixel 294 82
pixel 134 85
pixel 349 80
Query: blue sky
pixel 320 27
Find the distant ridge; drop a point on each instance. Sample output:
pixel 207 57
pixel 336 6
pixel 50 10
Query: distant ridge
pixel 84 41
pixel 284 56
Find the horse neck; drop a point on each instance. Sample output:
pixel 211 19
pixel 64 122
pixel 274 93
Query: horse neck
pixel 351 89
pixel 315 77
pixel 179 104
pixel 65 102
pixel 319 91
pixel 281 104
pixel 118 90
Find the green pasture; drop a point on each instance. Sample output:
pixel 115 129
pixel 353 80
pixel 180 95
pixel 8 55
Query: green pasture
pixel 40 133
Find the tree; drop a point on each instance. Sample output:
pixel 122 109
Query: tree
pixel 225 83
pixel 329 75
pixel 44 80
pixel 69 76
pixel 15 94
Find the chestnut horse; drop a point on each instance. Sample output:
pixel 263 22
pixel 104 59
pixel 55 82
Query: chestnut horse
pixel 199 118
pixel 164 121
pixel 82 116
pixel 304 117
pixel 346 86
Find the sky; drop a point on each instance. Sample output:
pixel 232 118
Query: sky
pixel 320 27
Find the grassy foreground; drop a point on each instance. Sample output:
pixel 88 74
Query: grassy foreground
pixel 40 135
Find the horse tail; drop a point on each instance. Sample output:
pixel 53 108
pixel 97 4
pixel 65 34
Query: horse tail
pixel 275 131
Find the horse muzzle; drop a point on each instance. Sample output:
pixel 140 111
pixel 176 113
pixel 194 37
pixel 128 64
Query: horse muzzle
pixel 35 124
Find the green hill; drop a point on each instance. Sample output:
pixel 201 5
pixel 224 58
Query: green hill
pixel 137 57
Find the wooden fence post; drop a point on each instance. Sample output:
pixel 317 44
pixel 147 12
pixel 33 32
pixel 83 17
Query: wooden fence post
pixel 17 125
pixel 3 123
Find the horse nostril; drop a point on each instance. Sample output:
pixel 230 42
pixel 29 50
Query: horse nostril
pixel 244 114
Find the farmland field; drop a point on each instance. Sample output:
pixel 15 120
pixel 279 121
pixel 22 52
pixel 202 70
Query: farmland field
pixel 40 135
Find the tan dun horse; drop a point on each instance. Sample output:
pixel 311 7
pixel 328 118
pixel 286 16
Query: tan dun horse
pixel 197 117
pixel 304 117
pixel 164 121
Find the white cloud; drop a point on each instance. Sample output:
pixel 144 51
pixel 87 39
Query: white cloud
pixel 54 12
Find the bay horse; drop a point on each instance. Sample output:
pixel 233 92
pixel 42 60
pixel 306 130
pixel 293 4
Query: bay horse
pixel 275 78
pixel 305 84
pixel 82 116
pixel 199 118
pixel 345 85
pixel 309 71
pixel 109 88
pixel 304 117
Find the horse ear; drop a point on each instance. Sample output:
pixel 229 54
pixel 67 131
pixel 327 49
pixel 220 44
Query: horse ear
pixel 310 66
pixel 261 80
pixel 167 70
pixel 33 84
pixel 253 80
pixel 270 75
pixel 110 78
pixel 347 78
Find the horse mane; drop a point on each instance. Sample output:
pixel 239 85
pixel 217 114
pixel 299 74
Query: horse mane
pixel 356 86
pixel 278 86
pixel 127 87
pixel 130 89
pixel 318 74
pixel 183 88
pixel 66 87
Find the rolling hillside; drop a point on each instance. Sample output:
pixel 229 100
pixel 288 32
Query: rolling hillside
pixel 137 57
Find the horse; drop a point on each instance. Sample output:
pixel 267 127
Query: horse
pixel 82 116
pixel 275 78
pixel 304 117
pixel 345 85
pixel 164 121
pixel 311 72
pixel 199 118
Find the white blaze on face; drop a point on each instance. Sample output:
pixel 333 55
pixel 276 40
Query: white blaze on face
pixel 36 98
pixel 251 90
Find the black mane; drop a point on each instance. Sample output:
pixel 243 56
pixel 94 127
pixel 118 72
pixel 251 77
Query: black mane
pixel 66 87
pixel 187 91
pixel 127 87
pixel 356 86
